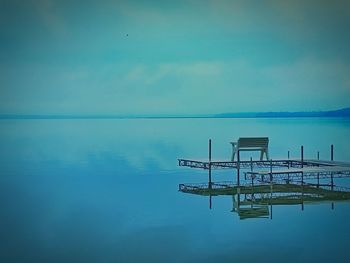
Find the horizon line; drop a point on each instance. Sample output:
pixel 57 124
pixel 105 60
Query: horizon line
pixel 344 112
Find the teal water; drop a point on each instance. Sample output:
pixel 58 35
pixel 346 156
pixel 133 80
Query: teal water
pixel 107 191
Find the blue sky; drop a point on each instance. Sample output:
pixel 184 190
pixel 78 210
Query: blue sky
pixel 173 57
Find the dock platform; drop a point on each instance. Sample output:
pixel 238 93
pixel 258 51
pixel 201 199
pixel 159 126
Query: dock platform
pixel 291 167
pixel 257 163
pixel 272 182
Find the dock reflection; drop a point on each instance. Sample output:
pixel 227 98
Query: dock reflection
pixel 257 201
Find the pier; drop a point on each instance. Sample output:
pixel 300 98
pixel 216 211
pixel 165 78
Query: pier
pixel 294 168
pixel 287 169
pixel 271 182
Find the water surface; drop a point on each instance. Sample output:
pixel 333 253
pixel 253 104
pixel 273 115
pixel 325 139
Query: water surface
pixel 99 190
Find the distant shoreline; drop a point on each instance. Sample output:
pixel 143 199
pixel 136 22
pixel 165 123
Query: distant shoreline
pixel 342 113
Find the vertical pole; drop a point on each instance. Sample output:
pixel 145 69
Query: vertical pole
pixel 251 164
pixel 238 166
pixel 332 159
pixel 288 167
pixel 302 178
pixel 302 156
pixel 209 150
pixel 271 189
pixel 332 152
pixel 318 175
pixel 251 169
pixel 209 164
pixel 302 164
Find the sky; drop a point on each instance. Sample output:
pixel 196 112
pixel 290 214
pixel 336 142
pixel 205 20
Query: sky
pixel 173 57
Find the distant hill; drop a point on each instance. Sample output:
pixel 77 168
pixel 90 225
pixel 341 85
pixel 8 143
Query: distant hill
pixel 285 114
pixel 335 113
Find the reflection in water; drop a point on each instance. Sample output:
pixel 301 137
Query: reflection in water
pixel 257 201
pixel 99 190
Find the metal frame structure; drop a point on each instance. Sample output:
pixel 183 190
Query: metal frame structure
pixel 260 185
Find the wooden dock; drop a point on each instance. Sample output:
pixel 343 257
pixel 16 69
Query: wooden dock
pixel 260 164
pixel 293 168
pixel 274 182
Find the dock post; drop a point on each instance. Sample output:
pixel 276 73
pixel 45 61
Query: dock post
pixel 288 163
pixel 332 159
pixel 302 164
pixel 251 169
pixel 318 174
pixel 238 166
pixel 271 191
pixel 251 164
pixel 302 156
pixel 332 152
pixel 209 164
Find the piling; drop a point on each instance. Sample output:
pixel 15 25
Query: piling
pixel 332 152
pixel 209 185
pixel 302 156
pixel 271 191
pixel 332 159
pixel 288 163
pixel 238 167
pixel 302 163
pixel 318 175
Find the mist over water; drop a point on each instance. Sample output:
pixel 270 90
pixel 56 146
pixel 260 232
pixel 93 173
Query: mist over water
pixel 99 190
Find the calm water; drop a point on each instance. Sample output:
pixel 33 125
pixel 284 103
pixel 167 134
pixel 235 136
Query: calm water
pixel 107 191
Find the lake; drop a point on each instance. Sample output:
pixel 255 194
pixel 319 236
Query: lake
pixel 106 190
